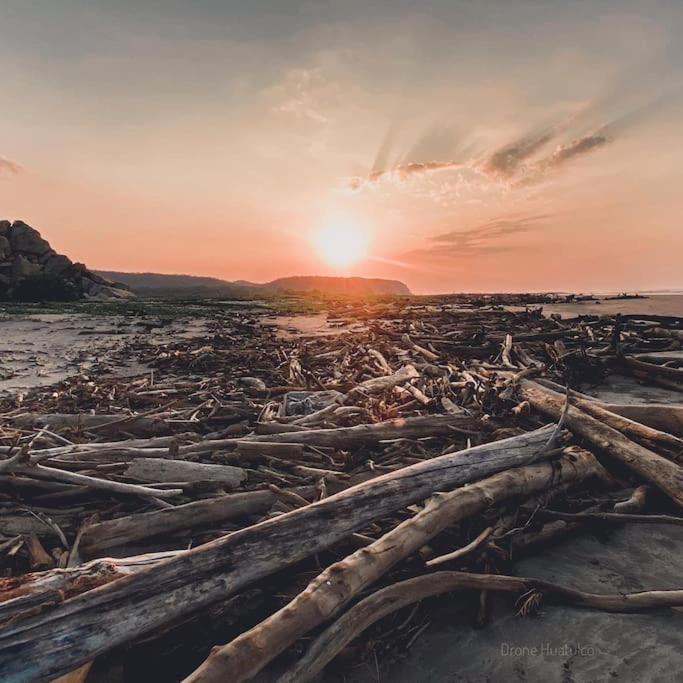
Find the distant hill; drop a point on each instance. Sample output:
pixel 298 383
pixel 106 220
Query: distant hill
pixel 180 286
pixel 337 285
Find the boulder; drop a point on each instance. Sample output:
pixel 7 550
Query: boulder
pixel 5 248
pixel 26 240
pixel 4 227
pixel 57 264
pixel 22 268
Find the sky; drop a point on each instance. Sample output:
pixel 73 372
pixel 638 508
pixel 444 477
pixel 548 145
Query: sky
pixel 490 145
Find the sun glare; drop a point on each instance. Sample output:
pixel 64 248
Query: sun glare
pixel 341 243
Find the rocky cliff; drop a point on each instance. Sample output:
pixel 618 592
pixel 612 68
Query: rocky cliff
pixel 30 270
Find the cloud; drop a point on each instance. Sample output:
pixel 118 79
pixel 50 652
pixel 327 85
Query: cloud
pixel 9 167
pixel 522 162
pixel 483 238
pixel 563 155
pixel 401 172
pixel 507 160
pixel 304 94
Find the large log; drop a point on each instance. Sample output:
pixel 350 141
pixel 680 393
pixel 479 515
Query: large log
pixel 665 417
pixel 329 592
pixel 662 473
pixel 68 634
pixel 661 375
pixel 654 439
pixel 103 536
pixel 21 594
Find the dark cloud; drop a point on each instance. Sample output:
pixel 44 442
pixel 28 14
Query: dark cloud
pixel 8 167
pixel 506 161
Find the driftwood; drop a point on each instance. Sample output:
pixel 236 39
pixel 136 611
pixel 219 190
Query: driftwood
pixel 164 470
pixel 103 536
pixel 671 378
pixel 393 598
pixel 664 417
pixel 667 418
pixel 351 437
pixel 86 466
pixel 54 474
pixel 136 605
pixel 23 594
pixel 662 473
pixel 338 584
pixel 139 425
pixel 654 439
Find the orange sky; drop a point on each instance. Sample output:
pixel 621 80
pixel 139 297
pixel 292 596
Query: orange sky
pixel 479 146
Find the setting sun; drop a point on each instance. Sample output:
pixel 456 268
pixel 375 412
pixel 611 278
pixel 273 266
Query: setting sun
pixel 341 243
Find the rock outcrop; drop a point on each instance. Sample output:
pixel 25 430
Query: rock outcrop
pixel 30 270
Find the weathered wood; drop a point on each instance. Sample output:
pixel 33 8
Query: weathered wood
pixel 350 437
pixel 662 473
pixel 140 425
pixel 165 470
pixel 392 598
pixel 54 474
pixel 665 417
pixel 670 378
pixel 68 634
pixel 329 592
pixel 22 594
pixel 103 536
pixel 654 439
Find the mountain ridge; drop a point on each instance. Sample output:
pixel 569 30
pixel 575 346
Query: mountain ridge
pixel 161 284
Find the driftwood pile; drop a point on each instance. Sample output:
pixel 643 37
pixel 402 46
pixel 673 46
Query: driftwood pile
pixel 275 497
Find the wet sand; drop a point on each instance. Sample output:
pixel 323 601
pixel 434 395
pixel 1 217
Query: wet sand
pixel 40 350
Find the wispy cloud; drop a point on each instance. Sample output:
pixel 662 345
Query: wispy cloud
pixel 563 155
pixel 484 238
pixel 402 172
pixel 506 161
pixel 524 161
pixel 304 94
pixel 9 167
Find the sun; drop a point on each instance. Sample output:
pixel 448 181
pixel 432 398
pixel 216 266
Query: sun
pixel 341 242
